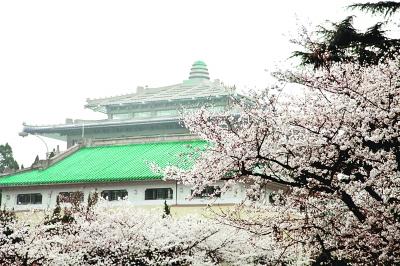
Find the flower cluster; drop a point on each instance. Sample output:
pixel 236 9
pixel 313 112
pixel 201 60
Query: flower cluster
pixel 335 147
pixel 125 235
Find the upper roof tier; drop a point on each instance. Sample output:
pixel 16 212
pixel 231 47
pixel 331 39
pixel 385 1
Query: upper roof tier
pixel 197 86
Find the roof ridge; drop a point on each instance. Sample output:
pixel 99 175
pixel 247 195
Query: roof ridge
pixel 144 143
pixel 129 94
pixel 45 164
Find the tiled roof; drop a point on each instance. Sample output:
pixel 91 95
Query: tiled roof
pixel 189 89
pixel 108 164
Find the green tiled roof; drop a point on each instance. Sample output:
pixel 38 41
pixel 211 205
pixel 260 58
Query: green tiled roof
pixel 108 164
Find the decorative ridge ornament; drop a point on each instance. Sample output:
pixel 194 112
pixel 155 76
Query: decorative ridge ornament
pixel 199 71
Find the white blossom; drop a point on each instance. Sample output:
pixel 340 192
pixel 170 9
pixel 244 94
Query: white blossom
pixel 336 148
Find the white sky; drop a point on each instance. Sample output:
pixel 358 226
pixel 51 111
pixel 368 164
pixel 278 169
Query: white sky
pixel 55 54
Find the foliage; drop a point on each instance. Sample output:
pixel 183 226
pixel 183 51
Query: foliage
pixel 341 42
pixel 335 147
pixel 167 210
pixel 120 234
pixel 12 236
pixel 36 161
pixel 7 161
pixel 387 8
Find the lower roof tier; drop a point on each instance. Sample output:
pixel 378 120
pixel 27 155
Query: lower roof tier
pixel 109 164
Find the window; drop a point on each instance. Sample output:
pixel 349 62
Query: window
pixel 158 193
pixel 112 195
pixel 76 196
pixel 208 191
pixel 122 116
pixel 24 199
pixel 167 113
pixel 142 114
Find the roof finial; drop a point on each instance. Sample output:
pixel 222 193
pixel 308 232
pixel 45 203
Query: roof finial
pixel 199 71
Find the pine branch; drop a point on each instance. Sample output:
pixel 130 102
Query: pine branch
pixel 387 8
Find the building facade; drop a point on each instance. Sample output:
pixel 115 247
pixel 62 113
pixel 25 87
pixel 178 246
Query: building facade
pixel 113 156
pixel 146 113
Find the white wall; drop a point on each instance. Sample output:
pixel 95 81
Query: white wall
pixel 136 194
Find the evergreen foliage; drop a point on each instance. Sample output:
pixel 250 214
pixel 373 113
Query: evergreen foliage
pixel 36 161
pixel 386 8
pixel 341 42
pixel 7 160
pixel 167 210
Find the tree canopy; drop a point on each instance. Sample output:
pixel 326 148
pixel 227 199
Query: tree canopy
pixel 122 234
pixel 336 149
pixel 341 42
pixel 7 161
pixel 386 8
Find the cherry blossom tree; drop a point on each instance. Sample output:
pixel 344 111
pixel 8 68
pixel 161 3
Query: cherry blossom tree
pixel 120 234
pixel 334 147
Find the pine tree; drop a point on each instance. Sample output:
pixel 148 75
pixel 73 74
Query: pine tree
pixel 341 42
pixel 387 8
pixel 7 160
pixel 36 161
pixel 167 210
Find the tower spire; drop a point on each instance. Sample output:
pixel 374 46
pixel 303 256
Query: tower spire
pixel 199 71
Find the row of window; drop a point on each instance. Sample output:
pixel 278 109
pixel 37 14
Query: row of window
pixel 160 113
pixel 112 195
pixel 35 198
pixel 145 114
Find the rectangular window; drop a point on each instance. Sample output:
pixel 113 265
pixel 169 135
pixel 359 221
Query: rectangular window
pixel 158 193
pixel 122 116
pixel 25 199
pixel 76 196
pixel 167 113
pixel 208 191
pixel 112 195
pixel 142 114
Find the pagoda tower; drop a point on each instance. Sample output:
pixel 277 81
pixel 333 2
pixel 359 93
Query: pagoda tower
pixel 144 114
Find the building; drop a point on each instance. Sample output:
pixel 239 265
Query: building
pixel 112 156
pixel 148 112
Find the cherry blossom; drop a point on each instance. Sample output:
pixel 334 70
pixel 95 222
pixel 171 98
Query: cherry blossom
pixel 333 148
pixel 121 234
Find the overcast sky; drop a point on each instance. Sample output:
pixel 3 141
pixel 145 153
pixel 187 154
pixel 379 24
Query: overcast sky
pixel 55 54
